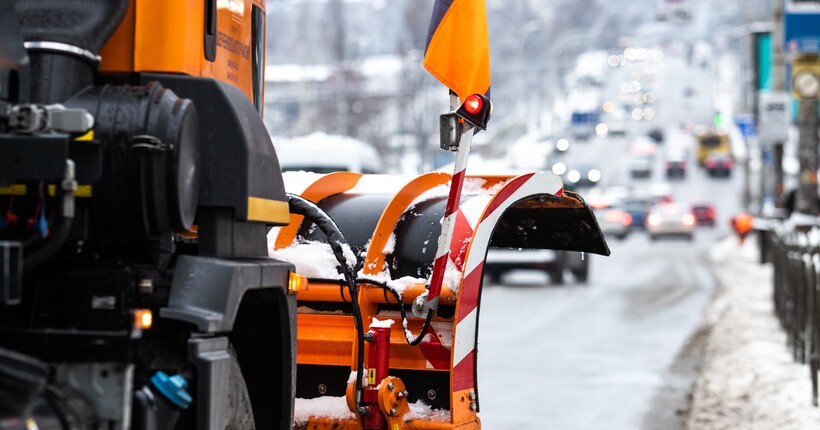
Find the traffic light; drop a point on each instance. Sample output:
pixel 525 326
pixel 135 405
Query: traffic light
pixel 806 77
pixel 718 119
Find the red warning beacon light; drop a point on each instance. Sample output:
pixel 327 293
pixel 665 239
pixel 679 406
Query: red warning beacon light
pixel 476 110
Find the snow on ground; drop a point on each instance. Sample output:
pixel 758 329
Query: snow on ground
pixel 748 379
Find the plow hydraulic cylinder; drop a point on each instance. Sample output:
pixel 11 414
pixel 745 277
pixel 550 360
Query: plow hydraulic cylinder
pixel 378 363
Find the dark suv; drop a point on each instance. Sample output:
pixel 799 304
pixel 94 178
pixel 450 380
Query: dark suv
pixel 553 263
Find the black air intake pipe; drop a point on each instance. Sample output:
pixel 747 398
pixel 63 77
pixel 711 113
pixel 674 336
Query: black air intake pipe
pixel 64 38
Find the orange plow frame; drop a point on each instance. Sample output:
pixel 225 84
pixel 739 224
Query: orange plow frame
pixel 449 349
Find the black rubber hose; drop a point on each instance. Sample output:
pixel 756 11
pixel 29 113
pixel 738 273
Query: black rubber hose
pixel 50 246
pixel 418 338
pixel 301 206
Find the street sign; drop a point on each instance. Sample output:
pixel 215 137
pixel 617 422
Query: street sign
pixel 801 32
pixel 746 124
pixel 774 115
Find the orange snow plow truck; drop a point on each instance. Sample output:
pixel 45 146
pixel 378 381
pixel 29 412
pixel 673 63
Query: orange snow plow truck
pixel 158 271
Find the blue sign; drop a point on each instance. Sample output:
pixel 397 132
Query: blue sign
pixel 801 26
pixel 746 125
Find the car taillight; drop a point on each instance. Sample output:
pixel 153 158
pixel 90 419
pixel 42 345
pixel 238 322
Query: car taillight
pixel 710 212
pixel 727 164
pixel 626 219
pixel 654 220
pixel 688 220
pixel 711 164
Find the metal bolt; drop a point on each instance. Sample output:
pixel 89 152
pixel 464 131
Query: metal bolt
pixel 363 411
pixel 322 389
pixel 473 406
pixel 390 385
pixel 400 395
pixel 472 395
pixel 431 394
pixel 393 411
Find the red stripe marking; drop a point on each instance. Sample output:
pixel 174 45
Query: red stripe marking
pixel 469 292
pixel 437 277
pixel 464 373
pixel 505 193
pixel 434 351
pixel 460 241
pixel 560 192
pixel 441 263
pixel 455 193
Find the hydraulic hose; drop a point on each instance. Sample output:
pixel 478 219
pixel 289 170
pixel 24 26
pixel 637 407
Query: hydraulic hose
pixel 418 338
pixel 61 228
pixel 301 206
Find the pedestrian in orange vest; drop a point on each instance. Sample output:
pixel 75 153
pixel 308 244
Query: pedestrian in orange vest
pixel 742 224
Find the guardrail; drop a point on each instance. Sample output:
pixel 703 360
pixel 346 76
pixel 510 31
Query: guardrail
pixel 796 258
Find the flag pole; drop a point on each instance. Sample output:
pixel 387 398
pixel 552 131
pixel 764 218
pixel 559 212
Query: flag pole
pixel 448 222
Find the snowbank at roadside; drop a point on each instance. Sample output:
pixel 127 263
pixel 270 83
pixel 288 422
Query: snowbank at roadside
pixel 748 379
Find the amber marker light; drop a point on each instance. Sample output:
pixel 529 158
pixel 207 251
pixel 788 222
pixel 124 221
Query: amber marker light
pixel 297 283
pixel 143 319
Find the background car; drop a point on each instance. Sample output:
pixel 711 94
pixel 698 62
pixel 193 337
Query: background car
pixel 643 145
pixel 640 166
pixel 670 219
pixel 705 214
pixel 638 208
pixel 554 263
pixel 656 134
pixel 584 175
pixel 675 163
pixel 614 222
pixel 718 164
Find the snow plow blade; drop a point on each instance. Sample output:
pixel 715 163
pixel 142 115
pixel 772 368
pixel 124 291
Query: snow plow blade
pixel 392 224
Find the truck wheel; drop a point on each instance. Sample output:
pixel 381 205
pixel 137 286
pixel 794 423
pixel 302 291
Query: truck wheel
pixel 582 274
pixel 493 276
pixel 239 413
pixel 556 276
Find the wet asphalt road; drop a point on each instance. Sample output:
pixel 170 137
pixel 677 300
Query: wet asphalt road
pixel 622 351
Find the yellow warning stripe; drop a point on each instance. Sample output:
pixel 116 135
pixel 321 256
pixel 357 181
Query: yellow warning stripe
pixel 20 190
pixel 13 190
pixel 267 210
pixel 87 136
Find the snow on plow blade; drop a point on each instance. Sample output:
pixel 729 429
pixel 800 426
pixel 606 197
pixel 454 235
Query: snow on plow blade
pixel 392 224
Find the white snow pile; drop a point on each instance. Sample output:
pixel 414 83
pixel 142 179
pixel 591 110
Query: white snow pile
pixel 748 378
pixel 377 323
pixel 336 408
pixel 321 407
pixel 312 259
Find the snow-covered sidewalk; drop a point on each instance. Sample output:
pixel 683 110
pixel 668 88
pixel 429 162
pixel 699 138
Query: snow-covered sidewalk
pixel 748 379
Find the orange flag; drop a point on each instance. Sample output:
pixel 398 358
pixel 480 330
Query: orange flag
pixel 458 46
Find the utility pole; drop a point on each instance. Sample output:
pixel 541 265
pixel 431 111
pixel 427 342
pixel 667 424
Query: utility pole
pixel 806 86
pixel 779 81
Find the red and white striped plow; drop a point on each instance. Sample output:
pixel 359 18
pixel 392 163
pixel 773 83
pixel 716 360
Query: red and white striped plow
pixel 395 231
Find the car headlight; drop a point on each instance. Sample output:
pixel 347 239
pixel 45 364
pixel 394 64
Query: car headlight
pixel 574 176
pixel 594 175
pixel 562 145
pixel 559 168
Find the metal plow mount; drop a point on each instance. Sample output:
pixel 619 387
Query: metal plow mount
pixel 393 223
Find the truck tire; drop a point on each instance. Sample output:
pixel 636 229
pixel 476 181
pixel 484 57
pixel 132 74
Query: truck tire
pixel 556 276
pixel 493 276
pixel 239 413
pixel 582 274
